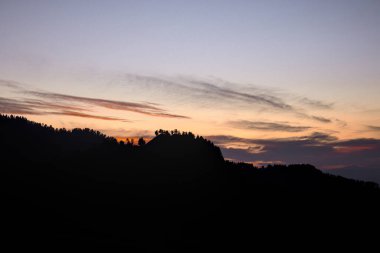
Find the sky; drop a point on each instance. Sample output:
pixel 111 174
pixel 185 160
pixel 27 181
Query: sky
pixel 268 81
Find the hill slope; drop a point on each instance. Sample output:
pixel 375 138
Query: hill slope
pixel 174 193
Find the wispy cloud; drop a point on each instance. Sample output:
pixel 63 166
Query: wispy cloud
pixel 320 119
pixel 38 107
pixel 321 149
pixel 11 84
pixel 341 123
pixel 143 108
pixel 316 103
pixel 266 126
pixel 85 115
pixel 209 89
pixel 229 95
pixel 318 137
pixel 264 99
pixel 208 93
pixel 41 102
pixel 373 128
pixel 12 106
pixel 313 139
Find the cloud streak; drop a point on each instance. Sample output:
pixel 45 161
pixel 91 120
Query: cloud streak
pixel 320 119
pixel 40 103
pixel 208 89
pixel 213 92
pixel 85 115
pixel 142 108
pixel 12 106
pixel 374 128
pixel 266 126
pixel 267 100
pixel 316 104
pixel 320 149
pixel 210 92
pixel 38 107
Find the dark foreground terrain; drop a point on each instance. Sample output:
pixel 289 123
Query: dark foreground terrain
pixel 176 193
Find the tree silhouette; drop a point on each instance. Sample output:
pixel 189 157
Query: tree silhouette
pixel 70 187
pixel 141 142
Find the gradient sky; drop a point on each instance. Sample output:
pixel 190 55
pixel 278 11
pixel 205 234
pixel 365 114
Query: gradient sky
pixel 256 77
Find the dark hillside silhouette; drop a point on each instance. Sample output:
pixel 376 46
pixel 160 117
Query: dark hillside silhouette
pixel 175 193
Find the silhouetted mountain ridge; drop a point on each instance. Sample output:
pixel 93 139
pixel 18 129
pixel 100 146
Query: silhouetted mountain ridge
pixel 174 193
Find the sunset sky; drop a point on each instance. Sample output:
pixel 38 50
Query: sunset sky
pixel 268 81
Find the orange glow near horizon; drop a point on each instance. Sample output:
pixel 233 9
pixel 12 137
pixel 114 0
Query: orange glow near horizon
pixel 133 139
